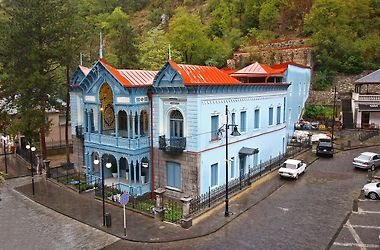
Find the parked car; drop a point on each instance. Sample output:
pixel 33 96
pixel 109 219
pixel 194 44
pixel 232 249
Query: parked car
pixel 292 168
pixel 367 160
pixel 325 147
pixel 372 190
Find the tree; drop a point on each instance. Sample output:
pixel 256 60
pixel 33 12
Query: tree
pixel 193 44
pixel 121 38
pixel 69 49
pixel 32 38
pixel 154 50
pixel 344 32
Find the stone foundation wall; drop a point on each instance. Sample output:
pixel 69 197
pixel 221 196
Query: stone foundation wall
pixel 189 162
pixel 295 50
pixel 78 158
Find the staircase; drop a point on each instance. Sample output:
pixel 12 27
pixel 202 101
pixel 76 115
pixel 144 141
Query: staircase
pixel 347 114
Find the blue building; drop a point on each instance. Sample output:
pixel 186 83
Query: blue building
pixel 167 128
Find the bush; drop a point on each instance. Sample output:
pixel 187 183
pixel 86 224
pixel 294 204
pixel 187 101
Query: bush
pixel 318 112
pixel 323 80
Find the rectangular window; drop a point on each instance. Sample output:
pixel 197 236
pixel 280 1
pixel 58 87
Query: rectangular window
pixel 270 116
pixel 283 119
pixel 214 127
pixel 173 174
pixel 243 121
pixel 214 174
pixel 278 115
pixel 233 118
pixel 257 118
pixel 232 171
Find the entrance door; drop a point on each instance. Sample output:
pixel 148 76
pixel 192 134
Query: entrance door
pixel 242 165
pixel 365 119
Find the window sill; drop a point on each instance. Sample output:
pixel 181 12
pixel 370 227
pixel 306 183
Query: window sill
pixel 215 140
pixel 173 189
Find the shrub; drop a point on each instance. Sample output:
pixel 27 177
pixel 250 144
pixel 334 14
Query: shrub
pixel 323 80
pixel 318 112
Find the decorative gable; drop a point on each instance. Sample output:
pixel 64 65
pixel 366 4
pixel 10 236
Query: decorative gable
pixel 168 77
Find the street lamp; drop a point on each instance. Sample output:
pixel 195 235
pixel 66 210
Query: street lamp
pixel 32 149
pixel 5 143
pixel 235 132
pixel 108 165
pixel 333 124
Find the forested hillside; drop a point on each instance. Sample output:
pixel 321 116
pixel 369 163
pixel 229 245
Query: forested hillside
pixel 41 40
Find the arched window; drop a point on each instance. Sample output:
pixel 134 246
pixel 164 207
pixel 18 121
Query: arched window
pixel 144 123
pixel 107 108
pixel 176 124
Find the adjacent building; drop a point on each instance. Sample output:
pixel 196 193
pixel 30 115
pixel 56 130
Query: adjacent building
pixel 365 101
pixel 167 129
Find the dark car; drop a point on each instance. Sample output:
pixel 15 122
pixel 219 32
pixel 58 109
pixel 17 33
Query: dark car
pixel 325 148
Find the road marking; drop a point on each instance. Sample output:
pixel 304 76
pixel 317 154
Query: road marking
pixel 355 235
pixel 361 211
pixel 284 209
pixel 362 246
pixel 361 226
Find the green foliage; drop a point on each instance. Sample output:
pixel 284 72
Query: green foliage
pixel 344 33
pixel 318 112
pixel 2 177
pixel 121 37
pixel 323 80
pixel 34 35
pixel 154 50
pixel 192 43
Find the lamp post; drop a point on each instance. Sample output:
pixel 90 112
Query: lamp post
pixel 32 149
pixel 235 132
pixel 5 143
pixel 333 124
pixel 108 165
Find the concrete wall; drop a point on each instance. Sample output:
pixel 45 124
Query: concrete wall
pixel 298 91
pixel 56 133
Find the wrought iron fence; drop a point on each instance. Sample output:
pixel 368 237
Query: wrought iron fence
pixel 215 195
pixel 56 144
pixel 25 154
pixel 112 193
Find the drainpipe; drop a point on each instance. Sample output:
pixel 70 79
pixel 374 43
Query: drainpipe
pixel 150 96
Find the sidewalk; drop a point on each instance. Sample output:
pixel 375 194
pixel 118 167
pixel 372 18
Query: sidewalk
pixel 141 228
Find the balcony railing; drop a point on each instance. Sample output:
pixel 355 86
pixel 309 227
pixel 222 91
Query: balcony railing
pixel 363 97
pixel 120 142
pixel 174 145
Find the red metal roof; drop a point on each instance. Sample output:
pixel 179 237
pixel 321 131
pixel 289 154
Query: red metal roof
pixel 132 78
pixel 257 69
pixel 229 71
pixel 284 66
pixel 203 75
pixel 84 69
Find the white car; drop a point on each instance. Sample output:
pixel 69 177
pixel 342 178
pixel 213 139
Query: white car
pixel 372 190
pixel 292 168
pixel 367 160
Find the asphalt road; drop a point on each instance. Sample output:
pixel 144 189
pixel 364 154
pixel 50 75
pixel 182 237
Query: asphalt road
pixel 303 214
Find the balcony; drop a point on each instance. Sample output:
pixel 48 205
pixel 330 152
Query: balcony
pixel 172 145
pixel 119 142
pixel 366 97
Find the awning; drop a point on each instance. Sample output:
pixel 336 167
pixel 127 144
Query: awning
pixel 244 151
